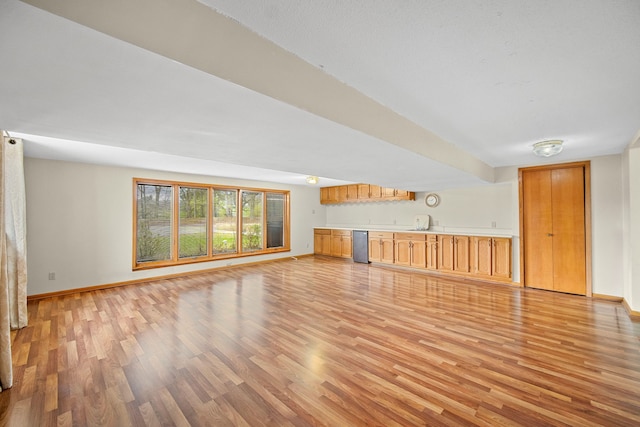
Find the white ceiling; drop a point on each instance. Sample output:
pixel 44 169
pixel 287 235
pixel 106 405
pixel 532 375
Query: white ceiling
pixel 418 95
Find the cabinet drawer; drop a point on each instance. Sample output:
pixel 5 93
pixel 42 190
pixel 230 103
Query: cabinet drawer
pixel 322 231
pixel 380 235
pixel 341 232
pixel 411 236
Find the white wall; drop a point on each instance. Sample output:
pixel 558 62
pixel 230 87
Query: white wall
pixel 472 210
pixel 80 223
pixel 632 228
pixel 607 231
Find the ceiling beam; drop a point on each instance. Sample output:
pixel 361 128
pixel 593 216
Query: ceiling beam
pixel 197 36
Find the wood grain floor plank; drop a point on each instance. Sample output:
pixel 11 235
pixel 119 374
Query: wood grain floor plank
pixel 323 342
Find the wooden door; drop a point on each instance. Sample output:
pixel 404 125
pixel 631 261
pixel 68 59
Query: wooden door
pixel 554 237
pixel 538 228
pixel 567 199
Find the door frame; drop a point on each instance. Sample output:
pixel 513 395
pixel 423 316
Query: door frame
pixel 587 217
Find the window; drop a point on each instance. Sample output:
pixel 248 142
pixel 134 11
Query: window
pixel 178 223
pixel 193 236
pixel 252 221
pixel 225 221
pixel 275 220
pixel 154 222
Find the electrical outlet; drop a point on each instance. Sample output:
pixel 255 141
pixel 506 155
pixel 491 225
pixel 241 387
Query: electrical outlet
pixel 493 224
pixel 52 276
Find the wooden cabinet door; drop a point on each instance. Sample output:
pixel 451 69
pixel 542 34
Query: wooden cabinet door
pixel 388 192
pixel 317 243
pixel 336 245
pixel 374 249
pixel 326 245
pixel 419 254
pixel 363 192
pixel 324 195
pixel 446 252
pixel 341 243
pixel 352 192
pixel 322 242
pixel 329 195
pixel 375 191
pixel 343 193
pixel 403 252
pixel 387 251
pixel 346 250
pixel 481 259
pixel 501 257
pixel 554 231
pixel 461 258
pixel 432 252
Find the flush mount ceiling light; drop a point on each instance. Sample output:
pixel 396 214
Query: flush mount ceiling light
pixel 547 148
pixel 312 180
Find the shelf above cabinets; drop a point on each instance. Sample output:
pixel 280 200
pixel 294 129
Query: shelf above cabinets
pixel 356 193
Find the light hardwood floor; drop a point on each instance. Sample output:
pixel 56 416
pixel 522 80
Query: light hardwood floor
pixel 322 341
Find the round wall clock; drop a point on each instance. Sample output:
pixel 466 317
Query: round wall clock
pixel 432 200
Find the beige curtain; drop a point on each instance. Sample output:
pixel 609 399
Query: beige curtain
pixel 13 253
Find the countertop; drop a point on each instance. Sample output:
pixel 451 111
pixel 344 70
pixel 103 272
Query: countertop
pixel 493 232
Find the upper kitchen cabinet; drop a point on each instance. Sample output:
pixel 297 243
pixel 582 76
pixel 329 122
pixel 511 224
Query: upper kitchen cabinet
pixel 362 193
pixel 328 195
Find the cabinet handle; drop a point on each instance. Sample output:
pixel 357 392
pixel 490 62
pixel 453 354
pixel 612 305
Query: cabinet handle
pixel 550 234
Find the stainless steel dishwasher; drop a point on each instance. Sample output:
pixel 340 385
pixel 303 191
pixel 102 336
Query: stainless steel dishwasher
pixel 361 246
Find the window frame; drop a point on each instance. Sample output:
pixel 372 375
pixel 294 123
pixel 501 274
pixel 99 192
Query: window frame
pixel 210 256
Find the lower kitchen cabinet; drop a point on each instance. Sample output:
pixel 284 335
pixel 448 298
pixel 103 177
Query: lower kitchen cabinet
pixel 381 247
pixel 491 256
pixel 341 243
pixel 322 241
pixel 432 252
pixel 453 253
pixel 410 249
pixel 483 257
pixel 332 242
